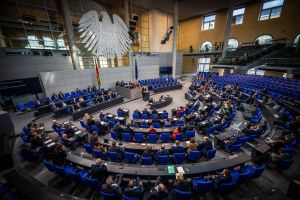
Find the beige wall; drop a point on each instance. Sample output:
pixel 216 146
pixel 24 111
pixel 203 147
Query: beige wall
pixel 286 26
pixel 159 23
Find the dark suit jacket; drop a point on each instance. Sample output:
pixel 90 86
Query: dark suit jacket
pixel 98 171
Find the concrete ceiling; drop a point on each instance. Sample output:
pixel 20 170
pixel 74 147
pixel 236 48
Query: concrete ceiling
pixel 189 8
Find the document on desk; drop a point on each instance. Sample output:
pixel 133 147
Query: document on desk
pixel 180 170
pixel 171 169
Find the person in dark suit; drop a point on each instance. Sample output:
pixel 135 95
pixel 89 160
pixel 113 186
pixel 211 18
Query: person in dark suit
pixel 205 145
pixel 181 184
pixel 177 148
pixel 154 111
pixel 129 130
pixel 134 189
pixel 189 127
pixel 112 186
pixel 159 192
pixel 224 177
pixel 98 170
pixel 69 131
pixel 93 138
pixel 163 150
pixel 148 152
pixel 59 155
pixel 115 148
pixel 118 129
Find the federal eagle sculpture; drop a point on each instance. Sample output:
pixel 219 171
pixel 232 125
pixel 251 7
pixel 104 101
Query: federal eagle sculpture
pixel 106 38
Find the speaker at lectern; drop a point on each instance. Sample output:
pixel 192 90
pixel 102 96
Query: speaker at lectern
pixel 7 140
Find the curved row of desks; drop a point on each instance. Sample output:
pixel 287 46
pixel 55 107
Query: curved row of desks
pixel 190 170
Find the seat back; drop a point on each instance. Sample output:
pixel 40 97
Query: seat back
pixel 130 157
pixel 210 154
pixel 226 188
pixel 164 137
pixel 194 155
pixel 202 186
pixel 97 153
pixel 136 115
pixel 139 137
pixel 146 161
pixel 258 171
pixel 113 156
pixel 126 137
pixel 93 183
pixel 284 164
pixel 152 138
pixel 189 134
pixel 179 158
pixel 49 165
pixel 88 148
pixel 124 197
pixel 144 116
pixel 162 159
pixel 107 196
pixel 179 136
pixel 181 195
pixel 114 135
pixel 235 147
pixel 59 170
pixel 156 125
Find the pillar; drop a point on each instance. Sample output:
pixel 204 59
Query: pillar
pixel 127 18
pixel 70 33
pixel 175 27
pixel 227 31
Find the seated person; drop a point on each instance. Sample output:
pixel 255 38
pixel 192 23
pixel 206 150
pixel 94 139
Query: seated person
pixel 148 152
pixel 68 142
pixel 134 189
pixel 115 148
pixel 151 101
pixel 159 192
pixel 118 129
pixel 188 127
pixel 176 132
pixel 69 131
pixel 36 140
pixel 56 125
pixel 93 137
pixel 181 184
pixel 177 148
pixel 59 155
pixel 154 111
pixel 228 143
pixel 112 186
pixel 162 97
pixel 145 111
pixel 276 158
pixel 192 146
pixel 224 177
pixel 98 146
pixel 168 123
pixel 99 170
pixel 128 129
pixel 163 150
pixel 205 145
pixel 152 130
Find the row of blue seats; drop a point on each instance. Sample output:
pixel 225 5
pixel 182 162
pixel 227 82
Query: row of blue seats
pixel 152 138
pixel 200 185
pixel 130 157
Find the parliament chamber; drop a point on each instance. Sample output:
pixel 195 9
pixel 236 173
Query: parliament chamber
pixel 149 100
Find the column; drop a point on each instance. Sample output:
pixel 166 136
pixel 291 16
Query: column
pixel 227 31
pixel 70 33
pixel 175 27
pixel 130 62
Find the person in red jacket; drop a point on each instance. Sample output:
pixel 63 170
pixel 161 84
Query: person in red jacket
pixel 152 130
pixel 176 131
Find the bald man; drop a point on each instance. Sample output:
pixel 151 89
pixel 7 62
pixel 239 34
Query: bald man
pixel 159 192
pixel 99 170
pixel 163 150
